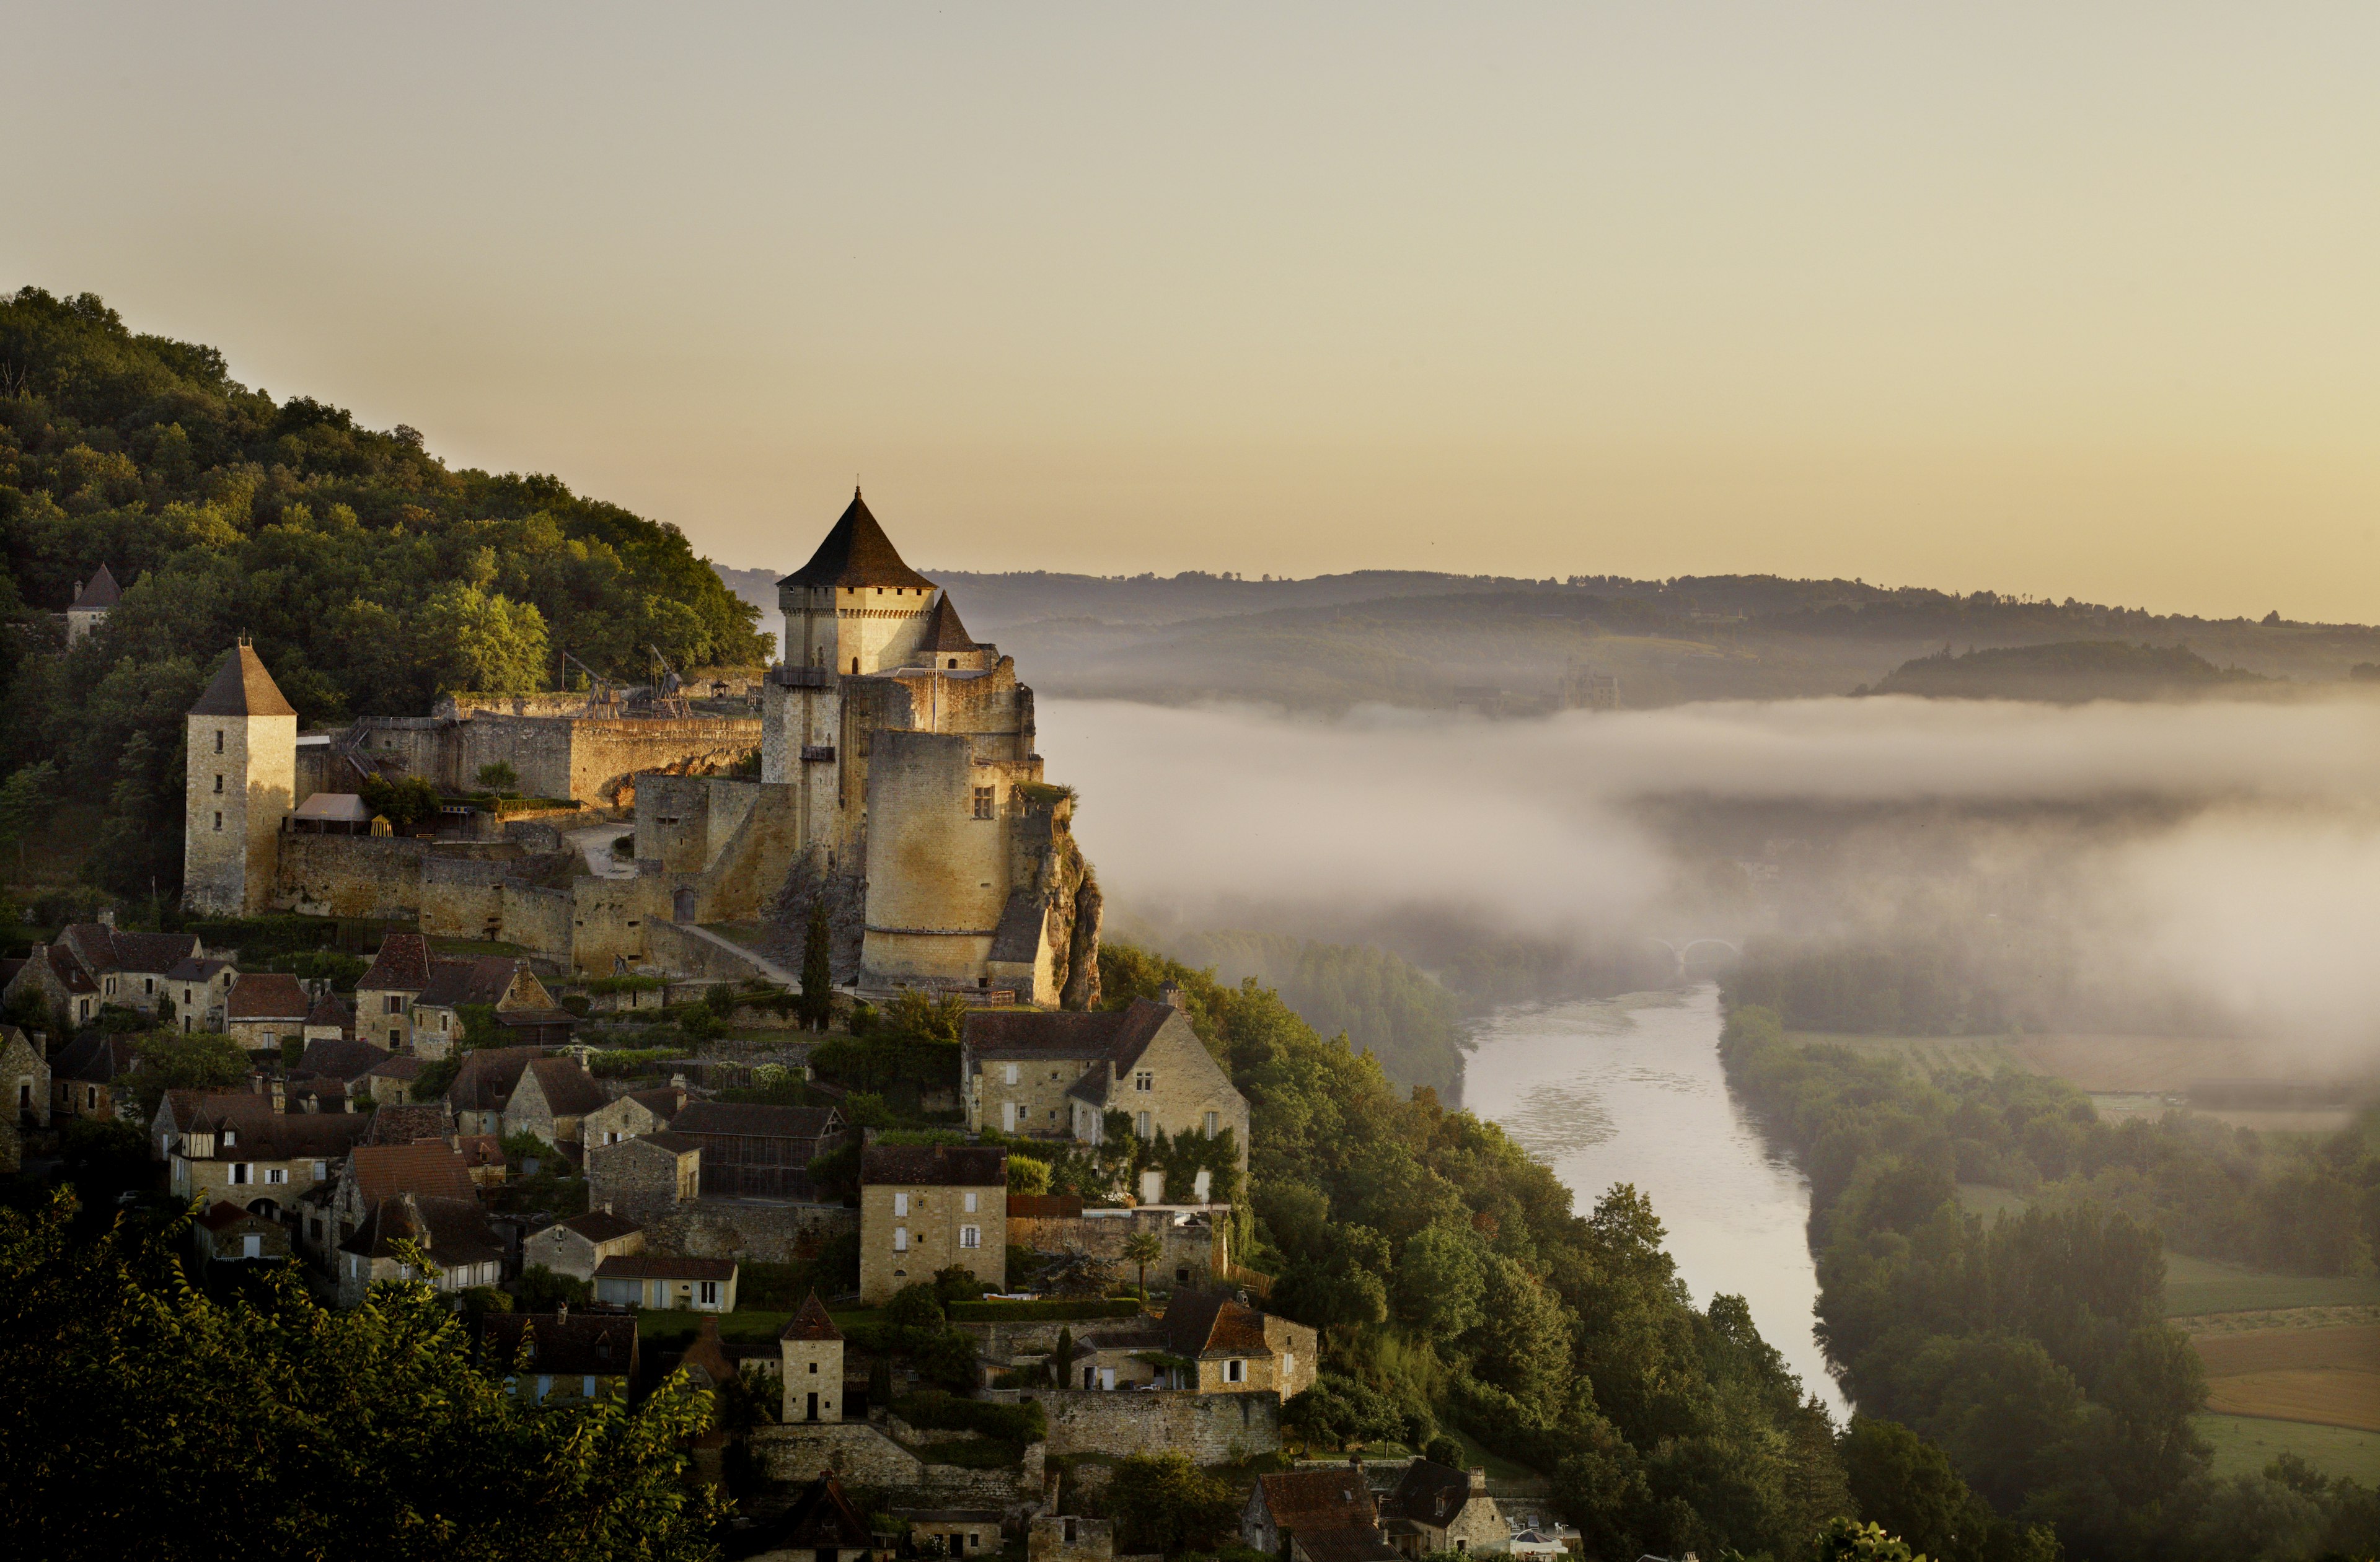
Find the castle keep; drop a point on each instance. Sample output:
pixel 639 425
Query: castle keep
pixel 898 787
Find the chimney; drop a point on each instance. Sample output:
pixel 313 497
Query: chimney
pixel 1478 1480
pixel 677 1081
pixel 562 1309
pixel 280 1096
pixel 607 1207
pixel 107 918
pixel 1169 995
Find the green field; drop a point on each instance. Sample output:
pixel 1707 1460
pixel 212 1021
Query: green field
pixel 2196 1286
pixel 1963 1054
pixel 2245 1445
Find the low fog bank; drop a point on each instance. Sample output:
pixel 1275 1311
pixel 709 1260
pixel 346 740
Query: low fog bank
pixel 2139 868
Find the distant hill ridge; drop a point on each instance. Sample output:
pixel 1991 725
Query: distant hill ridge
pixel 2067 671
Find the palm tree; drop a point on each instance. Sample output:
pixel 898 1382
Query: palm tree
pixel 1143 1249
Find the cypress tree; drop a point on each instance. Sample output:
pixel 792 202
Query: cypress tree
pixel 818 971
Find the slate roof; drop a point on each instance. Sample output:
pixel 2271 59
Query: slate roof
pixel 857 553
pixel 811 1322
pixel 675 1143
pixel 402 966
pixel 96 1060
pixel 339 1057
pixel 411 1125
pixel 450 1230
pixel 1433 1494
pixel 101 591
pixel 944 631
pixel 70 971
pixel 270 1136
pixel 574 1344
pixel 1304 1500
pixel 397 1065
pixel 182 1109
pixel 944 1166
pixel 267 995
pixel 1018 937
pixel 488 1078
pixel 242 688
pixel 751 1119
pixel 1200 1323
pixel 663 1267
pixel 197 969
pixel 1118 1036
pixel 331 1010
pixel 569 1091
pixel 602 1225
pixel 225 1213
pixel 385 1172
pixel 664 1101
pixel 102 949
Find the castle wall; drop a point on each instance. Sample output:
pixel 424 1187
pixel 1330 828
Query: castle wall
pixel 749 1230
pixel 556 753
pixel 1209 1428
pixel 376 876
pixel 937 867
pixel 609 918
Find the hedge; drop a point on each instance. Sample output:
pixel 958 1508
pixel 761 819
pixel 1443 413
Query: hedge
pixel 947 1412
pixel 997 1311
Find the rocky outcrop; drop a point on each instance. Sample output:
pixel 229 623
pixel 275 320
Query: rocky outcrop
pixel 788 917
pixel 1079 989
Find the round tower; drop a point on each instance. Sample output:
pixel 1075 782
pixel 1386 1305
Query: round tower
pixel 242 778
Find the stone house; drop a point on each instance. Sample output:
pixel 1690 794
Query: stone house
pixel 390 1083
pixel 501 983
pixel 563 1359
pixel 132 969
pixel 385 993
pixel 265 1161
pixel 26 1079
pixel 345 1062
pixel 93 601
pixel 551 1100
pixel 232 1234
pixel 665 1279
pixel 412 1124
pixel 1436 1508
pixel 1291 1503
pixel 645 1178
pixel 87 1077
pixel 1067 1537
pixel 809 1352
pixel 754 1151
pixel 953 1531
pixel 1239 1349
pixel 1056 1075
pixel 330 1019
pixel 376 1173
pixel 200 990
pixel 177 1111
pixel 484 1084
pixel 264 1007
pixel 453 1234
pixel 638 1111
pixel 578 1246
pixel 64 986
pixel 822 1526
pixel 925 1207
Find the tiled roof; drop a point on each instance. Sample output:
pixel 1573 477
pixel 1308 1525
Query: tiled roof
pixel 944 631
pixel 664 1103
pixel 69 971
pixel 225 1214
pixel 180 1109
pixel 1308 1500
pixel 857 553
pixel 569 1345
pixel 331 1010
pixel 1199 1321
pixel 1045 1206
pixel 271 1135
pixel 811 1322
pixel 457 982
pixel 663 1267
pixel 1356 1543
pixel 451 1231
pixel 98 594
pixel 411 1125
pixel 382 1171
pixel 102 949
pixel 820 1519
pixel 402 966
pixel 398 1066
pixel 934 1166
pixel 197 969
pixel 339 1057
pixel 267 995
pixel 96 1060
pixel 242 688
pixel 488 1077
pixel 568 1089
pixel 1430 1491
pixel 486 1149
pixel 707 1354
pixel 753 1121
pixel 602 1225
pixel 1119 1036
pixel 337 807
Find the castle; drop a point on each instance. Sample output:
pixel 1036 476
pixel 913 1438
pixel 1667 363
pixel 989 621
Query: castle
pixel 898 788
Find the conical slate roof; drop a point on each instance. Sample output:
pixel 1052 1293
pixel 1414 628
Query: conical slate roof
pixel 811 1322
pixel 855 553
pixel 103 592
pixel 945 633
pixel 243 688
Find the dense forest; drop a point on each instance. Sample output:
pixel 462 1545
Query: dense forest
pixel 2033 1350
pixel 369 574
pixel 2067 672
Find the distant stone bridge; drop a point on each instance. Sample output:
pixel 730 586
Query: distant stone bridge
pixel 1682 952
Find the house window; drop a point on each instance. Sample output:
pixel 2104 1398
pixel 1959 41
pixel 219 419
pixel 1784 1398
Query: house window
pixel 321 1171
pixel 1140 1124
pixel 276 1175
pixel 239 1172
pixel 953 663
pixel 1288 1365
pixel 900 1203
pixel 1212 1122
pixel 900 1239
pixel 544 1387
pixel 983 802
pixel 1008 1074
pixel 1144 1081
pixel 966 1202
pixel 392 1003
pixel 1236 1372
pixel 970 1236
pixel 91 1097
pixel 586 1387
pixel 710 1294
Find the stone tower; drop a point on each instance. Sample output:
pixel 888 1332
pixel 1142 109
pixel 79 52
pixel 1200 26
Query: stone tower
pixel 242 780
pixel 812 1349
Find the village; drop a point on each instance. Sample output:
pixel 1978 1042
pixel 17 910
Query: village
pixel 755 1037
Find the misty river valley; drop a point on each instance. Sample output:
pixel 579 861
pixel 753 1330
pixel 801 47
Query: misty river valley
pixel 1630 1090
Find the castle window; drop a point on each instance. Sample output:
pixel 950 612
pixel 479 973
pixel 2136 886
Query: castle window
pixel 218 783
pixel 855 667
pixel 218 740
pixel 984 798
pixel 218 819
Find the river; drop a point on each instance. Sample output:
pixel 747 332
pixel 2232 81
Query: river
pixel 1630 1090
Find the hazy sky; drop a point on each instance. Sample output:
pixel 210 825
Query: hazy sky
pixel 2046 299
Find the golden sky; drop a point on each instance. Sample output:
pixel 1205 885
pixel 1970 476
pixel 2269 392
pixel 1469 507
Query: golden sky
pixel 2044 298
